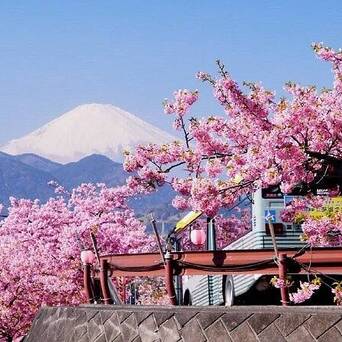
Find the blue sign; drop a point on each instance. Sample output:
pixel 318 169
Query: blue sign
pixel 270 214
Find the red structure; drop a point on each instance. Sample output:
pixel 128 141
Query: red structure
pixel 229 262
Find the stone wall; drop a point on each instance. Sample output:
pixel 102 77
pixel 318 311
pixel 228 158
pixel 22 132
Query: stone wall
pixel 101 323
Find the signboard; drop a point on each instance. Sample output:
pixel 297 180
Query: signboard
pixel 333 206
pixel 187 220
pixel 270 213
pixel 271 192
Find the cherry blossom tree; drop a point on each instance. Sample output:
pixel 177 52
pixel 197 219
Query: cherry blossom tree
pixel 41 243
pixel 260 141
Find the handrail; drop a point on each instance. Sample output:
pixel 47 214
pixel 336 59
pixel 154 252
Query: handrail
pixel 230 262
pixel 325 259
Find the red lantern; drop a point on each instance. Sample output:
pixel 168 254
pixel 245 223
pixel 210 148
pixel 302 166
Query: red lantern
pixel 197 237
pixel 87 257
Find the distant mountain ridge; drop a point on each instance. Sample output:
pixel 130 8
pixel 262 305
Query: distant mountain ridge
pixel 88 129
pixel 91 169
pixel 38 162
pixel 27 176
pixel 21 180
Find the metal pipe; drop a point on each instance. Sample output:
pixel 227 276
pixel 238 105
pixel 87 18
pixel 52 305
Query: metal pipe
pixel 87 283
pixel 274 240
pixel 179 281
pixel 211 246
pixel 104 268
pixel 170 287
pixel 282 275
pixel 211 234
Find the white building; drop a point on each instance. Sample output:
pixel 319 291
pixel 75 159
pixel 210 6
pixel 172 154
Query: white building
pixel 219 290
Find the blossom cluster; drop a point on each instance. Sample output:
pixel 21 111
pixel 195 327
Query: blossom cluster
pixel 320 221
pixel 305 291
pixel 259 141
pixel 41 243
pixel 280 283
pixel 184 99
pixel 337 291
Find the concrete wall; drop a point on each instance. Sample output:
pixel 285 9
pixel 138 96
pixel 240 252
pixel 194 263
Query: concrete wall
pixel 151 323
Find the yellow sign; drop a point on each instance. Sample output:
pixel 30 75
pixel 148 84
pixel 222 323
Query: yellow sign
pixel 329 209
pixel 187 220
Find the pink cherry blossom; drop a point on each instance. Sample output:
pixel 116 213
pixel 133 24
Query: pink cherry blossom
pixel 260 140
pixel 41 243
pixel 305 292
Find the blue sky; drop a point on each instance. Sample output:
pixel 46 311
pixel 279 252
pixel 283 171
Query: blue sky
pixel 56 55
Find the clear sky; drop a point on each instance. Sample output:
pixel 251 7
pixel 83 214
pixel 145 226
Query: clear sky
pixel 56 55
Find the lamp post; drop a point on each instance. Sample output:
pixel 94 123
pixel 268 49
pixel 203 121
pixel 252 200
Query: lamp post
pixel 197 237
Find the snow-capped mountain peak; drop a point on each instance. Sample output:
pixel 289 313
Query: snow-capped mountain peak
pixel 85 130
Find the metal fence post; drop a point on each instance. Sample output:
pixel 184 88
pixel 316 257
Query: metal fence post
pixel 282 275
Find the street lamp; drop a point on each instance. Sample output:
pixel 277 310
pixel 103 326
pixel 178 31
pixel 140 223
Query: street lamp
pixel 197 237
pixel 87 257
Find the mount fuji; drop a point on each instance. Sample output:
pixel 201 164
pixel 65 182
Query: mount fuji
pixel 88 129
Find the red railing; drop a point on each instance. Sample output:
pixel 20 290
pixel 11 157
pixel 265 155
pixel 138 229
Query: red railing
pixel 289 261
